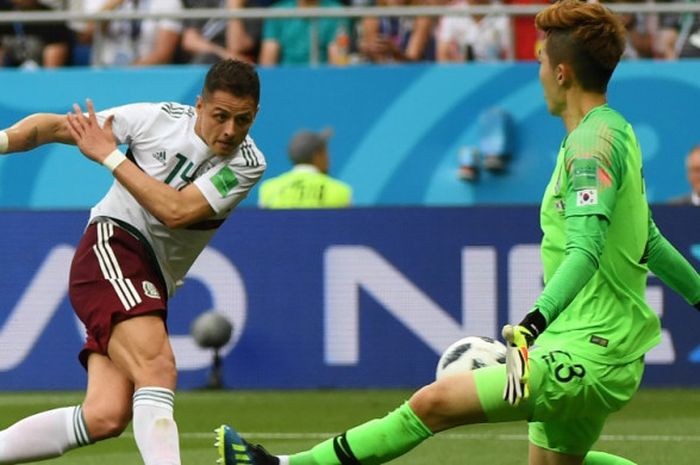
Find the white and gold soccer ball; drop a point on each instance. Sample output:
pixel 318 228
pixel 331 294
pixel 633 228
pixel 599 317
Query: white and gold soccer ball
pixel 470 353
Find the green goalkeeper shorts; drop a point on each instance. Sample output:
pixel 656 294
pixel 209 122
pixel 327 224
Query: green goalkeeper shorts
pixel 570 398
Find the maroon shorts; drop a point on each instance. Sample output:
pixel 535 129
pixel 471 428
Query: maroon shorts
pixel 112 278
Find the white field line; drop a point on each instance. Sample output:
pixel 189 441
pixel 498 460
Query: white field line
pixel 29 399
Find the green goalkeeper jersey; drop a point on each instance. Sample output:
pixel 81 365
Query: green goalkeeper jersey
pixel 599 172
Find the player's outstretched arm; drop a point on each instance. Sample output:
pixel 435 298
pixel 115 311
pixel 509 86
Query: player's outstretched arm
pixel 33 131
pixel 174 208
pixel 585 238
pixel 671 267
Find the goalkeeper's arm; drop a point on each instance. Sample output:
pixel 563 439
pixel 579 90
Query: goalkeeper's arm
pixel 585 238
pixel 671 267
pixel 33 131
pixel 584 246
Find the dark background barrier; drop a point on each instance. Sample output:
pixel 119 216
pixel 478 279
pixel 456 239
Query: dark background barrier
pixel 353 298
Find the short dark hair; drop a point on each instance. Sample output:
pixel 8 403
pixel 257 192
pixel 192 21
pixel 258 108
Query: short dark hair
pixel 587 36
pixel 233 76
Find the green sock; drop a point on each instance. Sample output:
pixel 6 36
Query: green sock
pixel 374 442
pixel 602 458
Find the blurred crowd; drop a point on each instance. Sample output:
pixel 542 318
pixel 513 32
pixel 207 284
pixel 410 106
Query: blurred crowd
pixel 293 41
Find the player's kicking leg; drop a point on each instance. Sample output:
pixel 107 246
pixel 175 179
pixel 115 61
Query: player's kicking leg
pixel 107 405
pixel 447 403
pixel 140 347
pixel 452 401
pixel 127 325
pixel 105 413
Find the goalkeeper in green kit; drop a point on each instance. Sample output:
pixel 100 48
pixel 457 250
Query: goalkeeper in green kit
pixel 591 323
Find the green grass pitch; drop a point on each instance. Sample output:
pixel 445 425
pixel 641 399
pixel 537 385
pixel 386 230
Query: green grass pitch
pixel 659 427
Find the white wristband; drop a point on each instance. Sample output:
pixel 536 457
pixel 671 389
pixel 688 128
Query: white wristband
pixel 4 142
pixel 113 160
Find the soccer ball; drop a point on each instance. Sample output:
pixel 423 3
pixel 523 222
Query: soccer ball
pixel 211 330
pixel 470 353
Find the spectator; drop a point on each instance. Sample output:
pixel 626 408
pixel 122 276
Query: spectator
pixel 214 39
pixel 307 185
pixel 33 44
pixel 640 38
pixel 679 36
pixel 135 42
pixel 474 38
pixel 288 41
pixel 641 30
pixel 396 39
pixel 692 164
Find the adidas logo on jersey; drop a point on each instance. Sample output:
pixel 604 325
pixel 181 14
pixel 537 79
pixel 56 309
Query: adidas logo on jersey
pixel 160 156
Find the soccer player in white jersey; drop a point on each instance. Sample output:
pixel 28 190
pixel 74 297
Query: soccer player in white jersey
pixel 186 168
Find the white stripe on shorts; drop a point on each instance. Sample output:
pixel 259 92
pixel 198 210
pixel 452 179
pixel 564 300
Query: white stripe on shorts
pixel 110 267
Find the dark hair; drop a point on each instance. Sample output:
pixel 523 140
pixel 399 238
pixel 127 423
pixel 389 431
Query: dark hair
pixel 233 76
pixel 587 36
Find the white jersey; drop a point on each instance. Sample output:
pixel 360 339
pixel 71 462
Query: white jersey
pixel 163 143
pixel 124 41
pixel 489 37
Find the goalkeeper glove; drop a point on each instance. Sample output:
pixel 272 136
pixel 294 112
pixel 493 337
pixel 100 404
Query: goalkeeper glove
pixel 518 339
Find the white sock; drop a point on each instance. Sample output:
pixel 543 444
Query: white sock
pixel 154 428
pixel 284 459
pixel 44 435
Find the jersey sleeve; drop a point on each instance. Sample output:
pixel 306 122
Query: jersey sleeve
pixel 671 267
pixel 593 173
pixel 585 240
pixel 226 184
pixel 130 121
pixel 272 30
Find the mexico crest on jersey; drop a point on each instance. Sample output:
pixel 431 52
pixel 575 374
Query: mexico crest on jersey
pixel 150 290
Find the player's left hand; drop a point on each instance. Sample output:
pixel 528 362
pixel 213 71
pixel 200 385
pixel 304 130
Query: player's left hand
pixel 94 141
pixel 518 341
